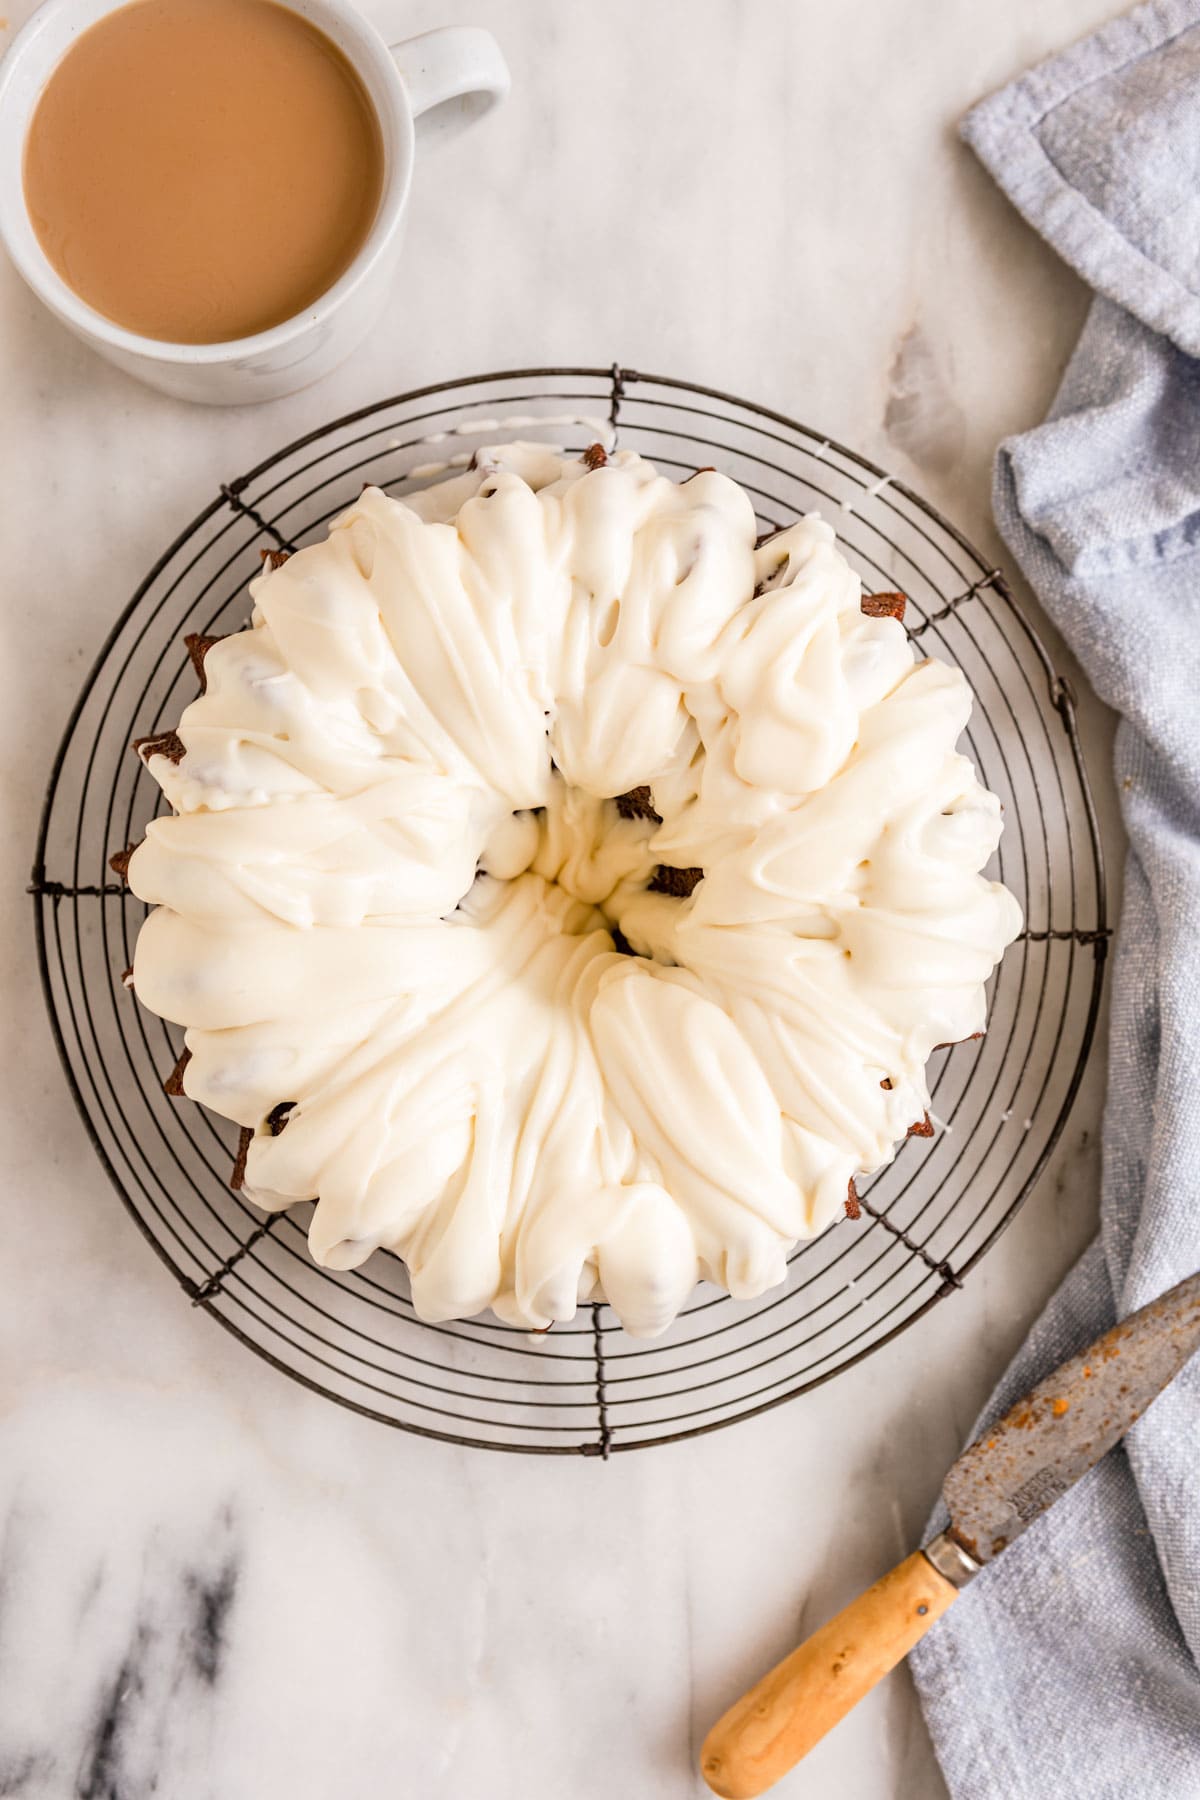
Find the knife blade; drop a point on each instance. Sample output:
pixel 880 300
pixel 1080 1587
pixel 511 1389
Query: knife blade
pixel 999 1486
pixel 1037 1452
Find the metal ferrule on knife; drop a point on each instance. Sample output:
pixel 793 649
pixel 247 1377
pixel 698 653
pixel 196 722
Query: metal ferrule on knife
pixel 950 1559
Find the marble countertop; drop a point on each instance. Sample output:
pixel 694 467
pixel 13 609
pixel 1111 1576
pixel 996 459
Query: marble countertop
pixel 214 1585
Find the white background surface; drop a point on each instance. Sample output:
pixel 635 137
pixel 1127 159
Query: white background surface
pixel 763 195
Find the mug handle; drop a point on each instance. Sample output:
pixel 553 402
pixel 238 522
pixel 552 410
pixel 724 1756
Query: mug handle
pixel 453 76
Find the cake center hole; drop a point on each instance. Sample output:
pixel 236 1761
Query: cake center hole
pixel 596 850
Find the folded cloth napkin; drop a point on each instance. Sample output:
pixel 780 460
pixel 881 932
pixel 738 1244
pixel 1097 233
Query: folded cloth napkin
pixel 1069 1671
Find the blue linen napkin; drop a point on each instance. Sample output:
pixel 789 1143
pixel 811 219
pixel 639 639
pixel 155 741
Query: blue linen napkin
pixel 1069 1670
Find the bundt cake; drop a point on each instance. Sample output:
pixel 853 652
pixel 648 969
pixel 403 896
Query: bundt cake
pixel 565 890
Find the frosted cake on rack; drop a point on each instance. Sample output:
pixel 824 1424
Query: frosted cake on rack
pixel 565 890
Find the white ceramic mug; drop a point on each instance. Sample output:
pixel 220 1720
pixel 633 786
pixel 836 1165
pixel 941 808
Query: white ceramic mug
pixel 446 79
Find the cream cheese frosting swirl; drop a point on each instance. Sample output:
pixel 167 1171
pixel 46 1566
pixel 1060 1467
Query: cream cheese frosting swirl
pixel 422 953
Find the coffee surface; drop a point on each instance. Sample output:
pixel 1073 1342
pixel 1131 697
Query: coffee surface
pixel 200 170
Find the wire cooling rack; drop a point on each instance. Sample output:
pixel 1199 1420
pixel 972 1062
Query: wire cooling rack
pixel 583 1388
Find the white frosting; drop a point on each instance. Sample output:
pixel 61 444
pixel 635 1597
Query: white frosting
pixel 483 1082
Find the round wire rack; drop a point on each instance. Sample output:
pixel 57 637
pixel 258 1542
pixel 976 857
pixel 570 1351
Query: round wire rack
pixel 583 1388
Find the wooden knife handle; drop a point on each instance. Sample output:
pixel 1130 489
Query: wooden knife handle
pixel 766 1732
